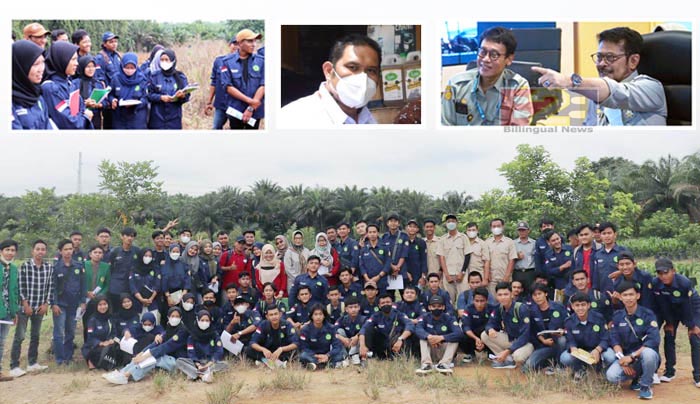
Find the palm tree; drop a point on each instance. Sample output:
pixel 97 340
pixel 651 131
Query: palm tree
pixel 415 205
pixel 348 203
pixel 686 187
pixel 203 216
pixel 654 184
pixel 381 202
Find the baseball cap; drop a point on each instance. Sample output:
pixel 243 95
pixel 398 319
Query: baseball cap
pixel 663 264
pixel 414 221
pixel 523 226
pixel 108 35
pixel 370 285
pixel 246 34
pixel 436 299
pixel 34 29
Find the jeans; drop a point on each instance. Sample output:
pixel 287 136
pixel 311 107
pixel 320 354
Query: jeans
pixel 165 362
pixel 645 366
pixel 4 330
pixel 569 361
pixel 670 352
pixel 541 356
pixel 64 334
pixel 308 357
pixel 220 118
pixel 20 333
pixel 189 368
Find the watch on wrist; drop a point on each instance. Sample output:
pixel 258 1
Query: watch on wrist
pixel 400 339
pixel 250 109
pixel 576 80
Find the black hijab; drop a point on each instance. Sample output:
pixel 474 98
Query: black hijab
pixel 200 335
pixel 141 268
pixel 24 54
pixel 170 331
pixel 123 313
pixel 83 62
pixel 60 54
pixel 100 316
pixel 171 55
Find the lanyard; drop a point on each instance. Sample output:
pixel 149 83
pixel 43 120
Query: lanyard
pixel 482 114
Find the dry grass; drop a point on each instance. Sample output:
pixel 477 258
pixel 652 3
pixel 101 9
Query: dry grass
pixel 224 392
pixel 76 385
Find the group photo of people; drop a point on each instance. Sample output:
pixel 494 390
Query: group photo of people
pixel 123 75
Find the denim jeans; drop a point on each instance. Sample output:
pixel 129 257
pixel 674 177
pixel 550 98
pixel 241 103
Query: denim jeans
pixel 165 362
pixel 569 361
pixel 308 357
pixel 4 331
pixel 220 118
pixel 64 334
pixel 542 357
pixel 20 333
pixel 645 366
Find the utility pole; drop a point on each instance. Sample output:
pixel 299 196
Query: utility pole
pixel 80 172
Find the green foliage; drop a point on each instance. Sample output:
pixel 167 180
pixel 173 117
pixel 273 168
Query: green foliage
pixel 624 214
pixel 663 223
pixel 133 185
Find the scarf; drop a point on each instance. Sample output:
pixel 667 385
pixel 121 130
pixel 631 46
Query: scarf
pixel 102 316
pixel 85 81
pixel 154 59
pixel 60 54
pixel 123 313
pixel 24 92
pixel 134 79
pixel 299 250
pixel 171 55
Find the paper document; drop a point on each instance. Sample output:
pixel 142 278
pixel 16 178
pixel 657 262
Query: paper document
pixel 99 94
pixel 127 345
pixel 233 347
pixel 323 270
pixel 150 361
pixel 129 103
pixel 543 332
pixel 190 88
pixel 214 287
pixel 239 115
pixel 395 282
pixel 6 322
pixel 583 356
pixel 175 297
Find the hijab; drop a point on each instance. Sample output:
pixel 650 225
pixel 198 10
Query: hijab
pixel 134 79
pixel 171 55
pixel 83 62
pixel 24 54
pixel 154 59
pixel 191 263
pixel 102 316
pixel 60 54
pixel 282 250
pixel 200 335
pixel 189 318
pixel 123 313
pixel 323 252
pixel 209 258
pixel 268 270
pixel 141 268
pixel 299 250
pixel 170 331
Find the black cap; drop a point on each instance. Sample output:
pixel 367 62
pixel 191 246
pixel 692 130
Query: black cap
pixel 240 299
pixel 428 221
pixel 129 231
pixel 450 216
pixel 436 299
pixel 393 215
pixel 522 225
pixel 663 264
pixel 414 221
pixel 240 239
pixel 625 255
pixel 233 40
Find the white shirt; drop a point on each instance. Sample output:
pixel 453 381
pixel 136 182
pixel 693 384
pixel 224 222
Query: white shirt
pixel 319 110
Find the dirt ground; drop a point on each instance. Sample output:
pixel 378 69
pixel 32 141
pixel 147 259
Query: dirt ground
pixel 381 382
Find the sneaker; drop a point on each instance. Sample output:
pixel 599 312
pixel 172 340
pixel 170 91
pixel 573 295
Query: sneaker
pixel 507 364
pixel 17 372
pixel 355 359
pixel 697 384
pixel 424 369
pixel 117 378
pixel 36 368
pixel 667 377
pixel 656 379
pixel 646 393
pixel 579 375
pixel 635 386
pixel 311 366
pixel 467 358
pixel 281 364
pixel 208 376
pixel 345 363
pixel 549 371
pixel 363 364
pixel 444 368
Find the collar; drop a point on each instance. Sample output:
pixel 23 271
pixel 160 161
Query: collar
pixel 498 85
pixel 336 114
pixel 630 77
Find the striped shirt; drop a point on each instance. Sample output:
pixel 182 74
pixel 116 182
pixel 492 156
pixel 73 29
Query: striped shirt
pixel 36 283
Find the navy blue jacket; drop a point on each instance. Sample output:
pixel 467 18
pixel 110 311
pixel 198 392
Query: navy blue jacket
pixel 385 323
pixel 250 317
pixel 604 263
pixel 445 325
pixel 166 115
pixel 141 283
pixel 474 320
pixel 107 67
pixel 552 262
pixel 174 276
pixel 122 323
pixel 466 298
pixel 299 313
pixel 600 302
pixel 348 252
pixel 56 91
pixel 673 303
pixel 427 294
pixel 176 346
pixel 233 76
pixel 138 332
pixel 417 259
pixel 373 261
pixel 317 341
pixel 34 117
pixel 203 351
pixel 643 280
pixel 551 319
pixel 367 308
pixel 122 263
pixel 541 248
pixel 217 69
pixel 350 326
pixel 645 326
pixel 69 285
pixel 515 322
pixel 268 337
pixel 130 117
pixel 397 246
pixel 318 286
pixel 587 336
pixel 413 310
pixel 97 331
pixel 354 290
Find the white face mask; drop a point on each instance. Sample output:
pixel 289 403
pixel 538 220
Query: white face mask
pixel 174 256
pixel 240 309
pixel 472 234
pixel 187 306
pixel 184 239
pixel 497 231
pixel 203 324
pixel 451 226
pixel 355 90
pixel 147 260
pixel 148 328
pixel 166 66
pixel 174 321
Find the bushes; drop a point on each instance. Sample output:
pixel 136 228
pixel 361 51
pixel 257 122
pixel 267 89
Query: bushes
pixel 674 248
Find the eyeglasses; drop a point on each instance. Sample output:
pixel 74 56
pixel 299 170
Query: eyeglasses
pixel 609 58
pixel 492 54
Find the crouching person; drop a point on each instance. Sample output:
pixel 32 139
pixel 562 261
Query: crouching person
pixel 274 341
pixel 318 344
pixel 204 351
pixel 439 335
pixel 348 329
pixel 507 333
pixel 635 338
pixel 586 330
pixel 385 332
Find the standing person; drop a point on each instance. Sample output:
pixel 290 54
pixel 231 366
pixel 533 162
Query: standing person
pixel 245 82
pixel 295 258
pixel 235 262
pixel 431 245
pixel 583 254
pixel 361 232
pixel 416 261
pixel 541 244
pixel 97 281
pixel 29 109
pixel 348 249
pixel 628 271
pixel 330 262
pixel 453 252
pixel 676 301
pixel 69 293
pixel 144 282
pixel 108 61
pixel 439 335
pixel 9 294
pixel 35 288
pixel 395 242
pixel 174 278
pixel 209 271
pixel 87 83
pixel 375 262
pixel 524 269
pixel 36 33
pixel 76 238
pixel 166 93
pixel 103 236
pixel 634 336
pixel 57 89
pixel 599 302
pixel 318 344
pixel 282 246
pixel 558 264
pixel 129 85
pixel 81 39
pixel 122 262
pixel 204 351
pixel 271 270
pixel 217 92
pixel 480 257
pixel 502 253
pixel 151 65
pixel 606 258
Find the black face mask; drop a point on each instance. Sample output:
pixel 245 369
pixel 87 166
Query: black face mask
pixel 437 312
pixel 208 303
pixel 386 309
